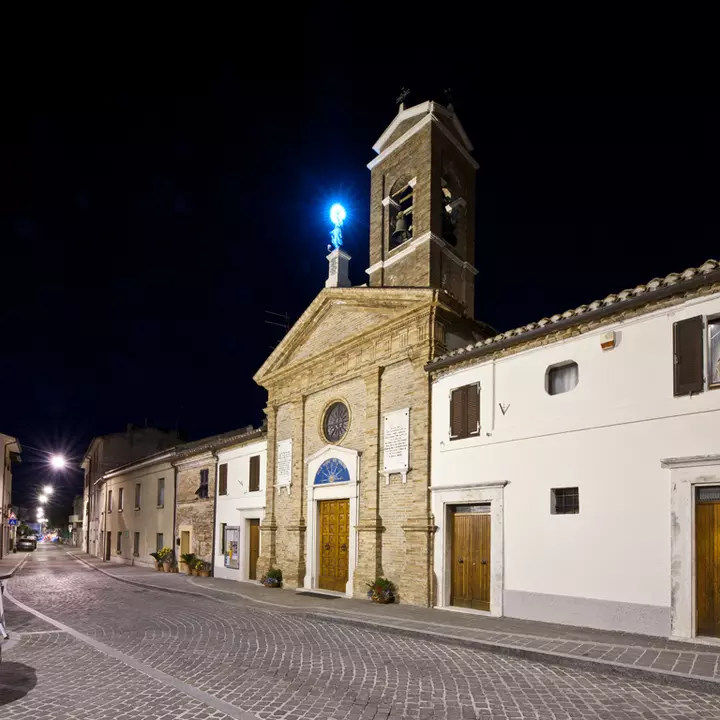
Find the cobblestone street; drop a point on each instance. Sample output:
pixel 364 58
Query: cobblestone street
pixel 96 648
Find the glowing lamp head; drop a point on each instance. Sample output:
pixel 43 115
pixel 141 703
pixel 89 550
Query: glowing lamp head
pixel 48 490
pixel 58 462
pixel 42 498
pixel 337 214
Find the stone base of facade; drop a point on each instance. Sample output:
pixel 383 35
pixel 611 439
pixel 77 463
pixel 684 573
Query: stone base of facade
pixel 587 612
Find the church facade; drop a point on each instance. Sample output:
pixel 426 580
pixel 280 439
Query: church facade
pixel 349 399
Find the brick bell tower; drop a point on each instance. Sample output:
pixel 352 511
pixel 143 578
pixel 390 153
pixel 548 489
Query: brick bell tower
pixel 422 204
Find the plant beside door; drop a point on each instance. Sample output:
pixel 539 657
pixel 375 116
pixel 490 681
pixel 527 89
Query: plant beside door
pixel 189 560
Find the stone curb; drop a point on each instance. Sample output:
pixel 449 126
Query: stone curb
pixel 7 575
pixel 604 667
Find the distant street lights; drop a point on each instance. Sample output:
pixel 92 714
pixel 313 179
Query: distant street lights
pixel 42 499
pixel 48 490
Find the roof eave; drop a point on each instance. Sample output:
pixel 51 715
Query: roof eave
pixel 628 304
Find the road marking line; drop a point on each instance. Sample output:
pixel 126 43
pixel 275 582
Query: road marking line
pixel 142 667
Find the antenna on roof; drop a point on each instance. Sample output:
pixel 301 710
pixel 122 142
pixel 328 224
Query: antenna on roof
pixel 285 324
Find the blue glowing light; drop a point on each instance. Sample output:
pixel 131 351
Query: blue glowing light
pixel 337 214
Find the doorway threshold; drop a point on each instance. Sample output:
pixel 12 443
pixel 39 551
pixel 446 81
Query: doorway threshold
pixel 466 611
pixel 313 592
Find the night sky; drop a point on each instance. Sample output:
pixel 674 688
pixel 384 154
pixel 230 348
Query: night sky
pixel 151 212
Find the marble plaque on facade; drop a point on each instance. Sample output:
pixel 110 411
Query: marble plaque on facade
pixel 283 462
pixel 396 441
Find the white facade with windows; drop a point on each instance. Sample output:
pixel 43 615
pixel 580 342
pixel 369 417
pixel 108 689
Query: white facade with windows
pixel 240 509
pixel 586 457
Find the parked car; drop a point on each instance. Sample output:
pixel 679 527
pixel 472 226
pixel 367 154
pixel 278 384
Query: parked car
pixel 26 543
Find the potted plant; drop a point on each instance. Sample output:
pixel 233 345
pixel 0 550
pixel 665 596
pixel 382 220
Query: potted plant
pixel 202 568
pixel 158 564
pixel 166 558
pixel 272 578
pixel 382 590
pixel 174 566
pixel 189 560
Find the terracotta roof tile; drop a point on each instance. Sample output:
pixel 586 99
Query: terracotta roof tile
pixel 648 288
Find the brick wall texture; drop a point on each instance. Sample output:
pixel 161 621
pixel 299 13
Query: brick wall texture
pixel 194 513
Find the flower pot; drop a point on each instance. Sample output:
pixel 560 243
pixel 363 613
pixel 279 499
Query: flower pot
pixel 204 573
pixel 189 571
pixel 383 600
pixel 175 569
pixel 158 566
pixel 167 567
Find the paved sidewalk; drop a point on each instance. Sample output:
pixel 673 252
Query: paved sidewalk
pixel 10 563
pixel 661 660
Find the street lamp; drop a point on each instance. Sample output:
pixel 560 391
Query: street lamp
pixel 58 462
pixel 48 490
pixel 42 499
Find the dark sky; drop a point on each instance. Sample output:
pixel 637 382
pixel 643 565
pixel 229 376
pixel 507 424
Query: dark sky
pixel 152 210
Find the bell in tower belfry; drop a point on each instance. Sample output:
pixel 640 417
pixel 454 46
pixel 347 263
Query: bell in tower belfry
pixel 422 214
pixel 400 233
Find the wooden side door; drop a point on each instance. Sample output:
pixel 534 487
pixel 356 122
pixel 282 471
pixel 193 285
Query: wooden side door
pixel 254 548
pixel 108 543
pixel 184 544
pixel 333 536
pixel 470 559
pixel 707 554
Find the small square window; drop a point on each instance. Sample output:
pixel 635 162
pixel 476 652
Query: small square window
pixel 136 545
pixel 561 378
pixel 138 495
pixel 159 542
pixel 565 501
pixel 161 492
pixel 121 499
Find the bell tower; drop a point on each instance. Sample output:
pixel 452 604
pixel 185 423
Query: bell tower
pixel 422 204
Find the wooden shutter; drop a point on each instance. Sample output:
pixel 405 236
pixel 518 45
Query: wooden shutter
pixel 254 473
pixel 473 409
pixel 458 413
pixel 223 480
pixel 688 356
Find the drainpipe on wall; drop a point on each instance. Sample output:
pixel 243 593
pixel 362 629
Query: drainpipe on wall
pixel 214 516
pixel 175 540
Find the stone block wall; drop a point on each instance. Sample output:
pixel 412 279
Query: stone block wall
pixel 194 513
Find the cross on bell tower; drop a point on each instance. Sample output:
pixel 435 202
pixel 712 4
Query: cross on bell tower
pixel 422 212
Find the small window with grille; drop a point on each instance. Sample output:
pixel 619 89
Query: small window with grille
pixel 708 494
pixel 565 501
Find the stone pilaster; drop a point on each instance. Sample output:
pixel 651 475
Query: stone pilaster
pixel 369 527
pixel 293 562
pixel 268 528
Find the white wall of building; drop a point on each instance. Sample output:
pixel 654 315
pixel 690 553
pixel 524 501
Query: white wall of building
pixel 239 505
pixel 609 565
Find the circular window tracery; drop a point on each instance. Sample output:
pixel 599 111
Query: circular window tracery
pixel 336 422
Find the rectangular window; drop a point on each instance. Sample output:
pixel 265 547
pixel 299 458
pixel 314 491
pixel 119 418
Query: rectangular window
pixel 136 545
pixel 203 490
pixel 118 548
pixel 109 501
pixel 159 542
pixel 222 483
pixel 713 345
pixel 465 412
pixel 565 501
pixel 223 527
pixel 121 499
pixel 161 492
pixel 254 483
pixel 138 495
pixel 562 378
pixel 688 356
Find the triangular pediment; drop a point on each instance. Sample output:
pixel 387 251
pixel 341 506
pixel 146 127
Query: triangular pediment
pixel 338 316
